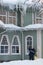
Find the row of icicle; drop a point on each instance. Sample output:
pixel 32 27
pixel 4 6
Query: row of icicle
pixel 23 5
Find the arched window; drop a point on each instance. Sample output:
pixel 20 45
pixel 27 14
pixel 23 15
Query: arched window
pixel 4 45
pixel 15 46
pixel 28 43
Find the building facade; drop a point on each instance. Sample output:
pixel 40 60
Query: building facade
pixel 14 45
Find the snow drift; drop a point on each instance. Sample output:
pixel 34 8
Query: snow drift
pixel 24 62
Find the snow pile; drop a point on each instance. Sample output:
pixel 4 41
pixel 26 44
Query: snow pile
pixel 9 26
pixel 24 62
pixel 12 27
pixel 1 24
pixel 33 27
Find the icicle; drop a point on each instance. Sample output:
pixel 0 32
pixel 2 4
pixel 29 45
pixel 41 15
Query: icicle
pixel 23 4
pixel 24 9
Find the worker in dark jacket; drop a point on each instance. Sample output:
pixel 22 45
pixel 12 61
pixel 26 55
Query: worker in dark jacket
pixel 32 53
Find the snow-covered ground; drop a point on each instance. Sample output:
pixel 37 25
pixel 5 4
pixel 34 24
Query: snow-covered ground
pixel 24 62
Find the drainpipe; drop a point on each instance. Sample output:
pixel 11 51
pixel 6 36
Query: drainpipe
pixel 22 47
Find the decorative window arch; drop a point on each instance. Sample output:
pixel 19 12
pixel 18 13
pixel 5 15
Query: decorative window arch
pixel 4 45
pixel 28 42
pixel 15 46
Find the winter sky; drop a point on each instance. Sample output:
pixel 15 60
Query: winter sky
pixel 12 1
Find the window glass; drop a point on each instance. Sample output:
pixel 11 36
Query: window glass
pixel 0 17
pixel 15 41
pixel 8 17
pixel 12 14
pixel 29 43
pixel 6 49
pixel 17 49
pixel 14 20
pixel 2 49
pixel 12 17
pixel 4 41
pixel 15 45
pixel 2 12
pixel 13 49
pixel 3 16
pixel 4 45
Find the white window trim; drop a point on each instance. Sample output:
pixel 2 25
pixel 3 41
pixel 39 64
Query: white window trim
pixel 6 17
pixel 16 18
pixel 26 43
pixel 32 18
pixel 2 15
pixel 6 45
pixel 12 16
pixel 17 45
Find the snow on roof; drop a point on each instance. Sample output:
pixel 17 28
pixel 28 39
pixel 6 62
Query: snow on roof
pixel 33 27
pixel 9 26
pixel 1 24
pixel 12 27
pixel 29 3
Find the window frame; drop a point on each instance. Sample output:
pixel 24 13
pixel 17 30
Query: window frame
pixel 3 14
pixel 3 18
pixel 16 45
pixel 9 16
pixel 26 43
pixel 5 45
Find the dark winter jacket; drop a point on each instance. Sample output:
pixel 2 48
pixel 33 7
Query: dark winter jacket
pixel 32 52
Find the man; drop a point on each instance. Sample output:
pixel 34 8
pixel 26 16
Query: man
pixel 32 53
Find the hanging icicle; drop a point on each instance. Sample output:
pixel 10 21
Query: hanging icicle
pixel 23 5
pixel 34 4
